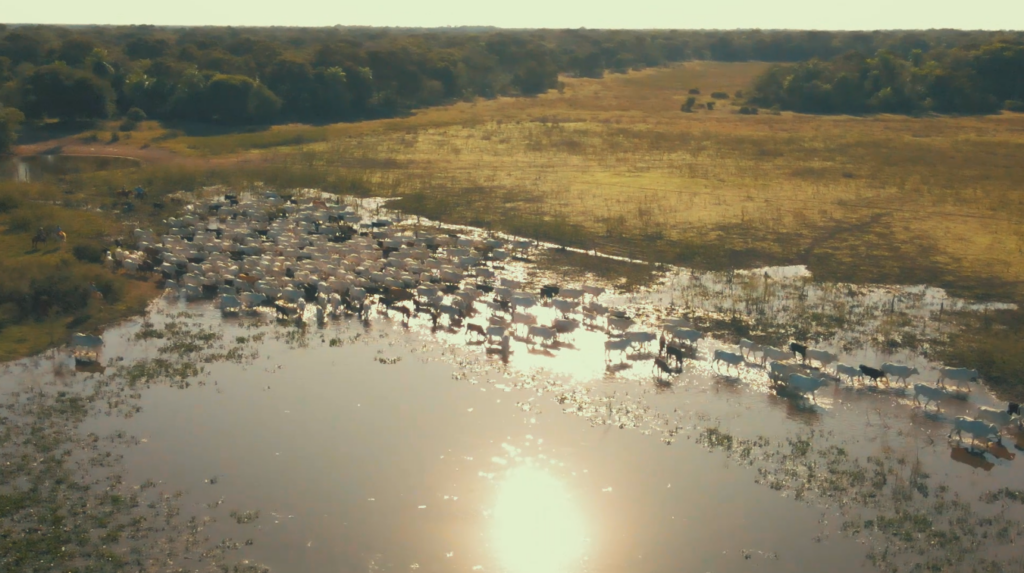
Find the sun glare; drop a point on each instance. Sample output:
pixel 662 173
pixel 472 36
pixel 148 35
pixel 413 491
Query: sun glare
pixel 537 528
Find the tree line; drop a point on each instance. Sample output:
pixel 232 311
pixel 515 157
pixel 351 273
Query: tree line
pixel 237 76
pixel 967 79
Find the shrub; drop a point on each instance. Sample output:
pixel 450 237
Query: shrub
pixel 114 137
pixel 688 106
pixel 88 253
pixel 738 94
pixel 694 91
pixel 127 125
pixel 135 114
pixel 9 201
pixel 1012 105
pixel 719 95
pixel 748 110
pixel 711 106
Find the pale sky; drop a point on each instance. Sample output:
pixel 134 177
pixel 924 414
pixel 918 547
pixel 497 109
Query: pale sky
pixel 722 14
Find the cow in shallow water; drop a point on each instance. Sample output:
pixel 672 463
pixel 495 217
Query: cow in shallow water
pixel 958 375
pixel 804 384
pixel 874 374
pixel 976 428
pixel 731 358
pixel 899 371
pixel 797 348
pixel 930 394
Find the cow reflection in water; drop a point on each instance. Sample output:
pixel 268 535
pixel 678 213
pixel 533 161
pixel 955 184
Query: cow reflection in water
pixel 971 458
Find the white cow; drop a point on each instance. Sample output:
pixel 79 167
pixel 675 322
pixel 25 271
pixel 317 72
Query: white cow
pixel 823 356
pixel 543 332
pixel 570 293
pixel 617 344
pixel 957 375
pixel 731 358
pixel 229 304
pixel 899 371
pixel 564 325
pixel 930 394
pixel 564 306
pixel 782 371
pixel 1001 418
pixel 620 324
pixel 251 299
pixel 804 384
pixel 749 346
pixel 687 335
pixel 976 428
pixel 641 338
pixel 774 354
pixel 849 371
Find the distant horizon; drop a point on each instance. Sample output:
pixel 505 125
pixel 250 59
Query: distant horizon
pixel 788 15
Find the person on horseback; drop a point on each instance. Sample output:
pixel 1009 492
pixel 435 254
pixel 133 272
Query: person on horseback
pixel 62 235
pixel 40 237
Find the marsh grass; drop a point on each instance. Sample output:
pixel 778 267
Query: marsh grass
pixel 64 504
pixel 889 503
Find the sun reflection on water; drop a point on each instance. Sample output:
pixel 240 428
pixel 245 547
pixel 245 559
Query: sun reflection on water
pixel 537 528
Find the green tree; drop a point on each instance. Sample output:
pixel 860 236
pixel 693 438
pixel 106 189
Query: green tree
pixel 75 50
pixel 237 100
pixel 292 80
pixel 58 91
pixel 22 47
pixel 10 119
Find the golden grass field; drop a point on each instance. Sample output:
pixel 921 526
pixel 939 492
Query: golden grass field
pixel 614 164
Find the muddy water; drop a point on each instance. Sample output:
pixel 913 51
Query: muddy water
pixel 356 465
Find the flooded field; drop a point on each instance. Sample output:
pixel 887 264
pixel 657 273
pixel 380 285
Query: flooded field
pixel 331 387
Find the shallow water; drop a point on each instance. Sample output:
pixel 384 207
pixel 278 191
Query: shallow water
pixel 384 446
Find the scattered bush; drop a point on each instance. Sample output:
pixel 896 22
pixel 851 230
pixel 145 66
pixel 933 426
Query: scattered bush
pixel 88 253
pixel 9 202
pixel 719 95
pixel 135 114
pixel 738 94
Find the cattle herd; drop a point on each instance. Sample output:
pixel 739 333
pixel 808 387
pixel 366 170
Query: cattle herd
pixel 314 258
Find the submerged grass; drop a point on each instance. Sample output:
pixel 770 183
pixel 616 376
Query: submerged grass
pixel 64 505
pixel 907 522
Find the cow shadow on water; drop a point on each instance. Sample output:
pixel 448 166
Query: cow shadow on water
pixel 798 408
pixel 616 367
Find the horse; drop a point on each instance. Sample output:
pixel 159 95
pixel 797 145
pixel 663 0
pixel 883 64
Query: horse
pixel 40 237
